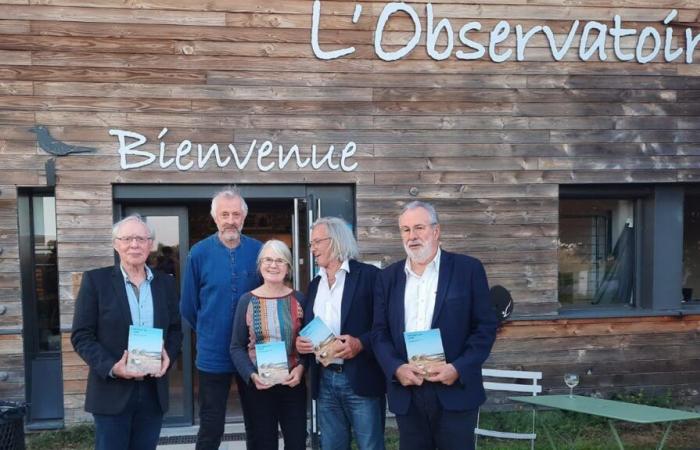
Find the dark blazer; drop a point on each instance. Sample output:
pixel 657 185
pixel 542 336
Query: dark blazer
pixel 466 321
pixel 101 334
pixel 356 311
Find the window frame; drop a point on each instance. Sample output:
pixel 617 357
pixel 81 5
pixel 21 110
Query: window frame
pixel 42 368
pixel 657 207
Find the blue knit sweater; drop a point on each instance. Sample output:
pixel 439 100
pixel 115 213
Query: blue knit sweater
pixel 214 280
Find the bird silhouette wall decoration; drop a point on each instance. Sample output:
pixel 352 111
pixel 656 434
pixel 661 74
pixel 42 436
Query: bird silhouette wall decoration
pixel 55 147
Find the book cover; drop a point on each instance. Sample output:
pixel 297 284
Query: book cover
pixel 322 337
pixel 424 349
pixel 271 360
pixel 145 349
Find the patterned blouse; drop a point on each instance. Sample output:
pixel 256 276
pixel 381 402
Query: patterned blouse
pixel 261 320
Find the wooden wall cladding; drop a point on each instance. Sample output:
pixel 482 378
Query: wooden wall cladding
pixel 488 143
pixel 657 354
pixel 11 342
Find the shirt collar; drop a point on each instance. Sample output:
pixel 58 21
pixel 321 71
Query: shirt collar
pixel 432 265
pixel 149 274
pixel 344 266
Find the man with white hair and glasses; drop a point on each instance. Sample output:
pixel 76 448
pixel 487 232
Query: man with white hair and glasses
pixel 127 406
pixel 349 390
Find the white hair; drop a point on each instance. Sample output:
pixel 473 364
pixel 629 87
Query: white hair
pixel 135 218
pixel 231 192
pixel 430 209
pixel 280 249
pixel 343 243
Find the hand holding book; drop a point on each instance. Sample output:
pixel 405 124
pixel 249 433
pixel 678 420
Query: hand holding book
pixel 119 368
pixel 409 375
pixel 321 338
pixel 347 346
pixel 425 352
pixel 294 377
pixel 146 355
pixel 443 373
pixel 260 384
pixel 164 365
pixel 271 361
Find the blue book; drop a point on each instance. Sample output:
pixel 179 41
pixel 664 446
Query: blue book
pixel 145 350
pixel 322 338
pixel 271 359
pixel 424 349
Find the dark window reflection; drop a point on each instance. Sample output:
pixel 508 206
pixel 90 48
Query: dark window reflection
pixel 691 248
pixel 596 252
pixel 46 273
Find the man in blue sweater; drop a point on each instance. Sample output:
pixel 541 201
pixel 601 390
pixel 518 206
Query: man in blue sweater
pixel 220 269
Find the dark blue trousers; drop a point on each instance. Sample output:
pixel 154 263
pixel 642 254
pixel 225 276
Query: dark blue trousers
pixel 213 396
pixel 137 427
pixel 427 426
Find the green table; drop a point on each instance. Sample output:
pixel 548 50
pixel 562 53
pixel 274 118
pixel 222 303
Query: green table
pixel 613 410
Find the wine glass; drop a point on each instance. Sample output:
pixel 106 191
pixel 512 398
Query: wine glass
pixel 571 380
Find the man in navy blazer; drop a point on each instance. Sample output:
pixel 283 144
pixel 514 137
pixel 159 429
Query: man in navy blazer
pixel 349 390
pixel 127 407
pixel 431 289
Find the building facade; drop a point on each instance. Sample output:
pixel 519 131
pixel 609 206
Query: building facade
pixel 560 145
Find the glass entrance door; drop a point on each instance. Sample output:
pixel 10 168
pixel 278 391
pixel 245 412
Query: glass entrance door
pixel 168 254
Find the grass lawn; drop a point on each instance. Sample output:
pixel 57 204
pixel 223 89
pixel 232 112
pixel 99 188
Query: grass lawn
pixel 79 437
pixel 571 431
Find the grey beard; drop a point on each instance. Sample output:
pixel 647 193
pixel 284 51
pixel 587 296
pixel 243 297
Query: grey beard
pixel 418 256
pixel 231 235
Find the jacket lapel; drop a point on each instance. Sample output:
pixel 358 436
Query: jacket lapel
pixel 443 285
pixel 399 309
pixel 120 294
pixel 311 299
pixel 348 294
pixel 159 303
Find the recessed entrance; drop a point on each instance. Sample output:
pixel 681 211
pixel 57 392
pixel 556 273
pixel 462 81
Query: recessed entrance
pixel 181 217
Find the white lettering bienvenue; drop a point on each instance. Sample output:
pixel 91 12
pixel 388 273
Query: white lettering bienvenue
pixel 134 154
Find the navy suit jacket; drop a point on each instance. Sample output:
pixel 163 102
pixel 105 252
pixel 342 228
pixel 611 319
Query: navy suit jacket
pixel 466 321
pixel 356 312
pixel 101 334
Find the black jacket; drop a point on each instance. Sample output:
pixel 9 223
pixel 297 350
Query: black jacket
pixel 101 334
pixel 356 311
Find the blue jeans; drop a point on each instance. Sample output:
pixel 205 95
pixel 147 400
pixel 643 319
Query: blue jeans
pixel 341 411
pixel 135 428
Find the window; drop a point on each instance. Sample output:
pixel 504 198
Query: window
pixel 691 248
pixel 631 247
pixel 46 273
pixel 596 252
pixel 40 271
pixel 40 307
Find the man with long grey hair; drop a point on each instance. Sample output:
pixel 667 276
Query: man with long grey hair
pixel 219 270
pixel 349 390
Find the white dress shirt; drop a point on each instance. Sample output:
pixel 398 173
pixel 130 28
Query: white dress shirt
pixel 327 304
pixel 420 293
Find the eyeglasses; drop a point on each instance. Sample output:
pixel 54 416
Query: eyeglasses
pixel 129 239
pixel 417 229
pixel 315 242
pixel 267 261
